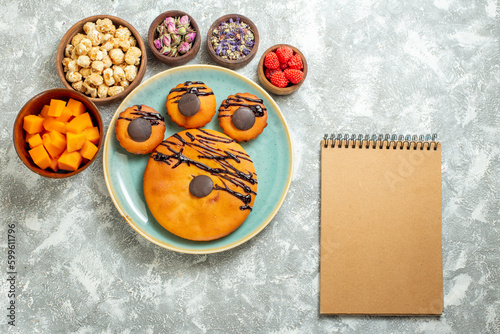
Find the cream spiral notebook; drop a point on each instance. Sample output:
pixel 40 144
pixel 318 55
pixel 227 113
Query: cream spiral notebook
pixel 380 234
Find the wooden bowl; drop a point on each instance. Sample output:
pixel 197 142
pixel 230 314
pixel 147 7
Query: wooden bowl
pixel 78 28
pixel 238 63
pixel 33 107
pixel 169 60
pixel 268 85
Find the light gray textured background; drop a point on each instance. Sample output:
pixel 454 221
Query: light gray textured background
pixel 405 67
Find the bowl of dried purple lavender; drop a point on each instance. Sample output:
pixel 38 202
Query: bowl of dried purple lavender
pixel 174 38
pixel 232 41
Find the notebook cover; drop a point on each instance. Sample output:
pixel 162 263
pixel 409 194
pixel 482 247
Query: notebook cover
pixel 380 236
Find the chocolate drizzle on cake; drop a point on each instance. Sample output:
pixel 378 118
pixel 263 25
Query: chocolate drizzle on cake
pixel 256 105
pixel 188 88
pixel 204 143
pixel 153 117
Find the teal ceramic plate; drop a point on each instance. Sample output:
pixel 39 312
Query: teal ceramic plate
pixel 271 153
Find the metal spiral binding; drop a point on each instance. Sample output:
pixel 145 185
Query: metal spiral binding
pixel 381 141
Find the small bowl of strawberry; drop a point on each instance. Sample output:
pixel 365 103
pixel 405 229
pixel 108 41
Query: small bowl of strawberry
pixel 282 69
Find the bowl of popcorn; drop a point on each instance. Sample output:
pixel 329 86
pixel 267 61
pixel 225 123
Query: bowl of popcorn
pixel 174 38
pixel 232 41
pixel 58 133
pixel 282 69
pixel 102 57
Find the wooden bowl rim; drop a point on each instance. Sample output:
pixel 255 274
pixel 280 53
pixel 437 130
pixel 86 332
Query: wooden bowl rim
pixel 268 85
pixel 173 61
pixel 229 62
pixel 19 136
pixel 78 28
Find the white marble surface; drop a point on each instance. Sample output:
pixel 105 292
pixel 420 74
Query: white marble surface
pixel 406 67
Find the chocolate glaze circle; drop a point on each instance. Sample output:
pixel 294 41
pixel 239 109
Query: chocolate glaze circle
pixel 243 118
pixel 189 104
pixel 139 129
pixel 201 185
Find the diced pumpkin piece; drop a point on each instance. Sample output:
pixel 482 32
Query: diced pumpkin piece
pixel 92 134
pixel 29 135
pixel 54 165
pixel 35 140
pixel 45 110
pixel 76 107
pixel 33 124
pixel 51 123
pixel 40 156
pixel 65 115
pixel 57 139
pixel 56 107
pixel 69 160
pixel 53 150
pixel 88 150
pixel 79 123
pixel 75 141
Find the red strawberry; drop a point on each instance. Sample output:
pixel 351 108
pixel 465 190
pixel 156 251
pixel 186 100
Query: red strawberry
pixel 284 53
pixel 293 75
pixel 295 62
pixel 269 72
pixel 271 61
pixel 279 80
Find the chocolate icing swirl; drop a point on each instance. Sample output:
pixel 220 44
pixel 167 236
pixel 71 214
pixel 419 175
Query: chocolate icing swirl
pixel 188 88
pixel 153 117
pixel 204 143
pixel 256 105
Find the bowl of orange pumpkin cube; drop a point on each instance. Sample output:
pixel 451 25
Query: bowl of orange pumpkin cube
pixel 58 133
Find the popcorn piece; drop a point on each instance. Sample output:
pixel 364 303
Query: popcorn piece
pixel 133 56
pixel 97 66
pixel 83 61
pixel 118 73
pixel 130 72
pixel 95 36
pixel 102 91
pixel 74 55
pixel 83 47
pixel 88 27
pixel 109 44
pixel 65 63
pixel 109 79
pixel 105 26
pixel 116 56
pixel 106 61
pixel 77 39
pixel 125 83
pixel 122 32
pixel 132 41
pixel 67 51
pixel 73 66
pixel 94 80
pixel 85 72
pixel 106 37
pixel 78 86
pixel 90 90
pixel 73 76
pixel 115 90
pixel 123 44
pixel 96 53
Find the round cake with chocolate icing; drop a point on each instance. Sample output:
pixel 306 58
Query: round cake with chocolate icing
pixel 242 116
pixel 139 129
pixel 200 184
pixel 191 104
